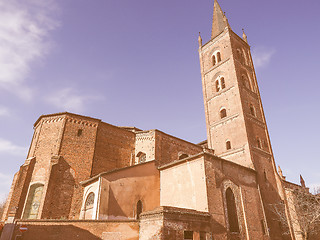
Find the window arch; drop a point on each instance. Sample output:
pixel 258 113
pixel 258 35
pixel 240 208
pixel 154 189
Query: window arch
pixel 244 55
pixel 88 206
pixel 239 54
pixel 232 211
pixel 142 157
pixel 245 81
pixel 223 113
pixel 218 57
pixel 33 201
pixel 217 86
pixel 259 145
pixel 252 110
pixel 139 209
pixel 183 155
pixel 228 145
pixel 214 60
pixel 223 84
pixel 220 83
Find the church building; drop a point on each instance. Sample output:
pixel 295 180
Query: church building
pixel 87 179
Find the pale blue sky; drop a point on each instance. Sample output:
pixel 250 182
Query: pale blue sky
pixel 135 63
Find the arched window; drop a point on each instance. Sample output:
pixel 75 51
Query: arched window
pixel 218 56
pixel 88 206
pixel 228 145
pixel 223 84
pixel 139 209
pixel 239 54
pixel 33 201
pixel 232 212
pixel 252 110
pixel 79 132
pixel 214 60
pixel 259 145
pixel 245 81
pixel 223 113
pixel 183 155
pixel 217 86
pixel 244 57
pixel 142 157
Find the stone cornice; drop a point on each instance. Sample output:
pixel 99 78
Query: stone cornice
pixel 255 120
pixel 232 151
pixel 65 114
pixel 223 120
pixel 261 151
pixel 173 213
pixel 220 92
pixel 217 65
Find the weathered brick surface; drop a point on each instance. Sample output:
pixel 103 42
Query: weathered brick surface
pixel 170 223
pixel 19 190
pixel 80 230
pixel 168 148
pixel 114 148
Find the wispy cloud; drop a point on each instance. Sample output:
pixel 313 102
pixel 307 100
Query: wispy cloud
pixel 12 149
pixel 24 38
pixel 5 183
pixel 262 56
pixel 69 99
pixel 4 111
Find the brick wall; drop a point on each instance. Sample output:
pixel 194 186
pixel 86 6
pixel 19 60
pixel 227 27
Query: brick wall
pixel 19 189
pixel 114 148
pixel 168 148
pixel 80 230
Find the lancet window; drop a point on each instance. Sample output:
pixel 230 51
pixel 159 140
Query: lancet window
pixel 232 211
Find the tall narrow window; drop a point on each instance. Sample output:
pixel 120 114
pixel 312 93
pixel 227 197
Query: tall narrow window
pixel 218 56
pixel 239 54
pixel 217 86
pixel 223 113
pixel 79 132
pixel 259 145
pixel 33 201
pixel 88 206
pixel 265 175
pixel 213 60
pixel 252 110
pixel 232 212
pixel 139 209
pixel 223 84
pixel 228 145
pixel 245 81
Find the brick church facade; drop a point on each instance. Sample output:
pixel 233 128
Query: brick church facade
pixel 86 179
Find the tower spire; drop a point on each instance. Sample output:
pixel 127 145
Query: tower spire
pixel 244 36
pixel 219 21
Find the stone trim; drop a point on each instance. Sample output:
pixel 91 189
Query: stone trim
pixel 256 120
pixel 261 151
pixel 220 92
pixel 224 120
pixel 172 213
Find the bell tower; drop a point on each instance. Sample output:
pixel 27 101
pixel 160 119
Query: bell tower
pixel 236 125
